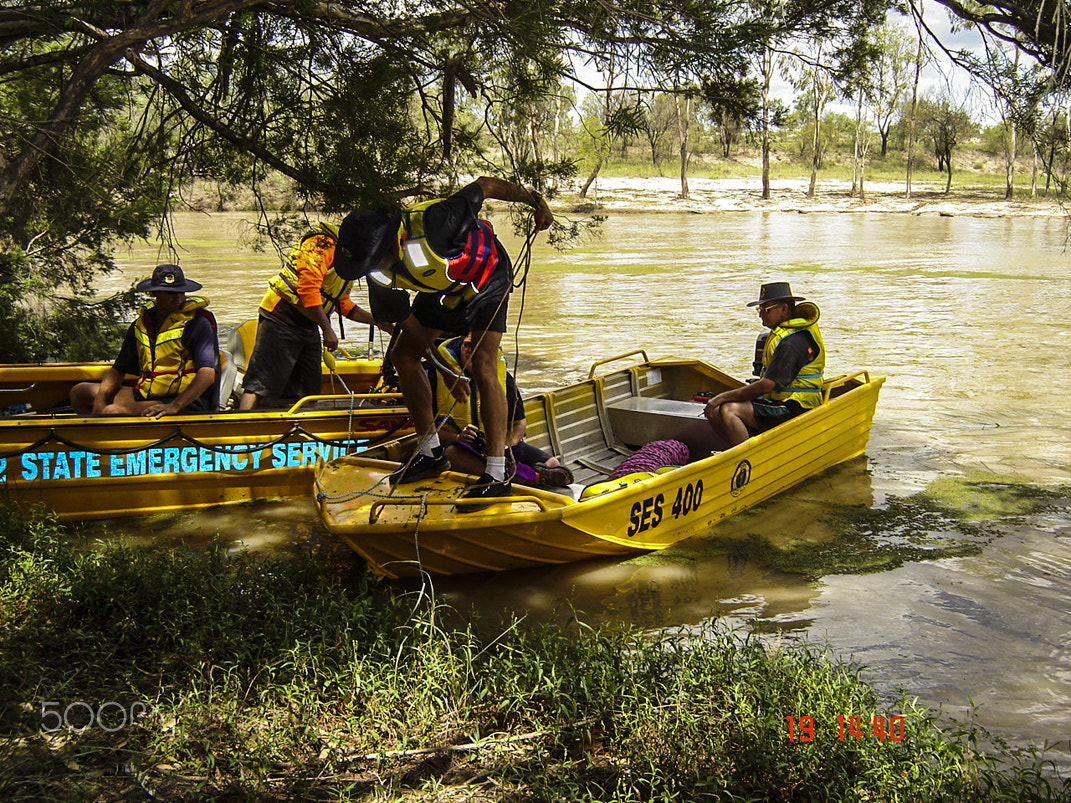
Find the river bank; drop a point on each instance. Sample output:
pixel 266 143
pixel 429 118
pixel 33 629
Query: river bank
pixel 131 674
pixel 647 195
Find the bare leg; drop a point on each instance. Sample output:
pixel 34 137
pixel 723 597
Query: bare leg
pixel 732 421
pixel 407 354
pixel 492 393
pixel 82 397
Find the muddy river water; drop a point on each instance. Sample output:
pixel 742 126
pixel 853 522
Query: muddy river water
pixel 966 316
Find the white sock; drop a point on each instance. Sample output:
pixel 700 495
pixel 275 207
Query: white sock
pixel 496 467
pixel 429 446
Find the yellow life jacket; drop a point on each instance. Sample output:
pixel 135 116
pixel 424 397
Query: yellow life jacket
pixel 167 368
pixel 426 271
pixel 284 284
pixel 458 414
pixel 807 387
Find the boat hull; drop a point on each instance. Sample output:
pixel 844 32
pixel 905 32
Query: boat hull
pixel 47 386
pixel 420 527
pixel 103 467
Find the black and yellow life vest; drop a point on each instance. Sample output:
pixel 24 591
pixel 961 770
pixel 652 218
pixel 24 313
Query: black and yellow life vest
pixel 426 271
pixel 806 388
pixel 166 367
pixel 458 414
pixel 284 284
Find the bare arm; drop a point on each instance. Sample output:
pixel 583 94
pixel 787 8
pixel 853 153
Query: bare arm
pixel 503 190
pixel 743 393
pixel 359 315
pixel 202 380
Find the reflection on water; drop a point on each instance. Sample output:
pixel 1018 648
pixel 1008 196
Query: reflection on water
pixel 959 313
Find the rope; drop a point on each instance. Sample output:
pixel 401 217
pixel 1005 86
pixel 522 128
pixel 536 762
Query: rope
pixel 295 429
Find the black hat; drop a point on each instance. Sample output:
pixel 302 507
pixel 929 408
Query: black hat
pixel 775 291
pixel 363 239
pixel 167 279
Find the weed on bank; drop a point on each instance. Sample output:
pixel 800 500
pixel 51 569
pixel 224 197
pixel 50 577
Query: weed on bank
pixel 179 675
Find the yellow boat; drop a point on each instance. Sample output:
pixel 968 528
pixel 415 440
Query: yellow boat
pixel 100 467
pixel 593 425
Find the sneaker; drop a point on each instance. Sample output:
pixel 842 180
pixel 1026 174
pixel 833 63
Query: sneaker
pixel 420 467
pixel 554 476
pixel 486 487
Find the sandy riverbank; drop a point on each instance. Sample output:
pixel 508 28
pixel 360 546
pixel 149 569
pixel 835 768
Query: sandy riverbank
pixel 706 195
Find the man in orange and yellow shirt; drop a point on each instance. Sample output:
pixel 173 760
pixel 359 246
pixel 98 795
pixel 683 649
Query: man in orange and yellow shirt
pixel 295 310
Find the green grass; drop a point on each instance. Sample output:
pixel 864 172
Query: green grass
pixel 267 679
pixel 973 175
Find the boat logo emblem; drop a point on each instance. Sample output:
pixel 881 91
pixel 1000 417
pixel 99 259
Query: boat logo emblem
pixel 741 477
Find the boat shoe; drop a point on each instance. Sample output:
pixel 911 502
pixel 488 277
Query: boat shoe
pixel 553 476
pixel 486 487
pixel 420 467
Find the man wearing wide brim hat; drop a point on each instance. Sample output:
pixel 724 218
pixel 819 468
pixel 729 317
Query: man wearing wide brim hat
pixel 173 350
pixel 790 369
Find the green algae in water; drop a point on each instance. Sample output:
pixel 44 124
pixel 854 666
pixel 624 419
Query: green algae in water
pixel 990 497
pixel 953 517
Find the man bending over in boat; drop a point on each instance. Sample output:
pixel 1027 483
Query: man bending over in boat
pixel 172 348
pixel 296 308
pixel 463 277
pixel 790 379
pixel 466 444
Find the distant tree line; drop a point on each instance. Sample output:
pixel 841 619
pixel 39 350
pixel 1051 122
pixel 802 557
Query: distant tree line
pixel 109 111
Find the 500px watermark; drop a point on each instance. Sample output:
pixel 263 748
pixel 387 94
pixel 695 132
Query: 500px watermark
pixel 80 716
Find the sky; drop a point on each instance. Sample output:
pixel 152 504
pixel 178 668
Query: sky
pixel 937 78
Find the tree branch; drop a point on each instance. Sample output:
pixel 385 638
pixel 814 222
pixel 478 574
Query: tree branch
pixel 178 92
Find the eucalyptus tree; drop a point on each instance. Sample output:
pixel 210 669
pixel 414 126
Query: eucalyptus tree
pixel 107 108
pixel 1018 91
pixel 1040 28
pixel 947 124
pixel 891 74
pixel 1054 141
pixel 659 119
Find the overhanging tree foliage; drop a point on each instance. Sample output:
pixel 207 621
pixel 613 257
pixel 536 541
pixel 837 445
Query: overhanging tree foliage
pixel 108 108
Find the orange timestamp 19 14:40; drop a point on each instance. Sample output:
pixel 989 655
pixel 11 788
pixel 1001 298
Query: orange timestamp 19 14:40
pixel 879 728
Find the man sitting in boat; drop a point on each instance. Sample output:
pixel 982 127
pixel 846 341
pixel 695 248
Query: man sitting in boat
pixel 790 380
pixel 173 349
pixel 296 308
pixel 457 403
pixel 463 277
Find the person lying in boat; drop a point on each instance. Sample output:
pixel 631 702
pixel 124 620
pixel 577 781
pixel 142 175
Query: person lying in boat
pixel 462 276
pixel 793 361
pixel 296 308
pixel 173 349
pixel 457 401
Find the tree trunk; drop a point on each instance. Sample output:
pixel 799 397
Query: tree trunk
pixel 88 71
pixel 1034 172
pixel 591 179
pixel 683 125
pixel 1009 163
pixel 911 121
pixel 857 161
pixel 815 149
pixel 767 72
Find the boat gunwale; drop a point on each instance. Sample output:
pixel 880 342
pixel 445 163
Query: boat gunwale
pixel 492 519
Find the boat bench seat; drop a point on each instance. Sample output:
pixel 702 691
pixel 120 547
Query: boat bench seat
pixel 642 419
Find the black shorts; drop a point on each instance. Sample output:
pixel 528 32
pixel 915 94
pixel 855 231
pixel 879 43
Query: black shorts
pixel 451 313
pixel 285 363
pixel 770 413
pixel 462 313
